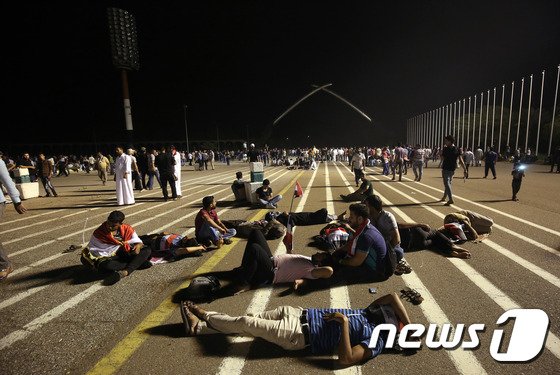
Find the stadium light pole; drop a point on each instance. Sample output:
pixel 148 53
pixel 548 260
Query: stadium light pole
pixel 124 53
pixel 519 117
pixel 501 118
pixel 553 113
pixel 540 112
pixel 510 113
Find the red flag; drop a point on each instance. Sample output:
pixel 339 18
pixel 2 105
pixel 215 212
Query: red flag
pixel 288 238
pixel 298 192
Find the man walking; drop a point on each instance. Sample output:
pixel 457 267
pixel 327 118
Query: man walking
pixel 490 162
pixel 358 162
pixel 102 167
pixel 177 171
pixel 165 163
pixel 399 160
pixel 45 172
pixel 418 162
pixel 5 265
pixel 449 156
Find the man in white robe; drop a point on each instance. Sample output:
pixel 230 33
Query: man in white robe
pixel 123 178
pixel 177 157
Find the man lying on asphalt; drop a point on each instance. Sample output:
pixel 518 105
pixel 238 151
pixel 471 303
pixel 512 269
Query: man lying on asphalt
pixel 325 331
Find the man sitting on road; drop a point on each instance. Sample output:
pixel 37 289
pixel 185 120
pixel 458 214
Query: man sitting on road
pixel 238 187
pixel 325 331
pixel 365 190
pixel 115 248
pixel 387 225
pixel 365 257
pixel 264 194
pixel 209 229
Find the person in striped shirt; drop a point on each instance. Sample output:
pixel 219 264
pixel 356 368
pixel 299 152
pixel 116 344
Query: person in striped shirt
pixel 322 331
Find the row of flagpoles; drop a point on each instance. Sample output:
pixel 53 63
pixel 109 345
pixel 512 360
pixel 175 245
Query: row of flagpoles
pixel 456 118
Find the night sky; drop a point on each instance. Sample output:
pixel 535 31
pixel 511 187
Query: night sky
pixel 240 64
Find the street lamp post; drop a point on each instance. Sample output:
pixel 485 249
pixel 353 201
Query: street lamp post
pixel 186 128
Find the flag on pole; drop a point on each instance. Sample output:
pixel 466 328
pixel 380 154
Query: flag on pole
pixel 288 237
pixel 298 191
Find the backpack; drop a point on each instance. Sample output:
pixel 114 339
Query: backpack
pixel 202 288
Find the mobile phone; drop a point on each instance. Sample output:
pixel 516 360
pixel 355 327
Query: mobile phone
pixel 373 290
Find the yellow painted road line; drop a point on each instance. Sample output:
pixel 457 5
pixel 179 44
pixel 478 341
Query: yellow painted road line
pixel 124 349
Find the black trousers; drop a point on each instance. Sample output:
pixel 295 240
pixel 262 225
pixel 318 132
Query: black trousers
pixel 489 166
pixel 418 239
pixel 168 178
pixel 125 261
pixel 256 265
pixel 515 187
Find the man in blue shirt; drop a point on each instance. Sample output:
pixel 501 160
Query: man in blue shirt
pixel 346 332
pixel 5 265
pixel 363 258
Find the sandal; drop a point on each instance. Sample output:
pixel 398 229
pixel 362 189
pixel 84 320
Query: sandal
pixel 402 267
pixel 412 296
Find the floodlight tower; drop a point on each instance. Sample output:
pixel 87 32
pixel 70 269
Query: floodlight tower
pixel 124 52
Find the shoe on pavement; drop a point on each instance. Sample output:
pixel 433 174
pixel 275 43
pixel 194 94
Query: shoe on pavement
pixel 449 203
pixel 5 272
pixel 228 241
pixel 114 278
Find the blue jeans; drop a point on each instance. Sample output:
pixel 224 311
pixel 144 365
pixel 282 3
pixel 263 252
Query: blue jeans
pixel 208 232
pixel 447 178
pixel 273 201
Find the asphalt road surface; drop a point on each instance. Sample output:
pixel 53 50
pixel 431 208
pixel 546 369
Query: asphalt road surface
pixel 56 317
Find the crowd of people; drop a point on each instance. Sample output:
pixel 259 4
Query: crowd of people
pixel 367 245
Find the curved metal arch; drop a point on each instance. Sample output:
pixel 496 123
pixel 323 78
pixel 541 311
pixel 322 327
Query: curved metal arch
pixel 314 91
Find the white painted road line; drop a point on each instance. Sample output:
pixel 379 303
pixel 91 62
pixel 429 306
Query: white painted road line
pixel 464 360
pixel 235 359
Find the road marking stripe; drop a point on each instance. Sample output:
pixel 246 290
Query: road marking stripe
pixel 127 346
pixel 27 217
pixel 492 291
pixel 500 249
pixel 549 230
pixel 464 361
pixel 235 359
pixel 34 234
pixel 16 253
pixel 339 296
pixel 37 323
pixel 497 226
pixel 189 182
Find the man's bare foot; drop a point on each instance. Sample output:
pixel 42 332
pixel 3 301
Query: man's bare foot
pixel 195 309
pixel 190 321
pixel 461 253
pixel 298 283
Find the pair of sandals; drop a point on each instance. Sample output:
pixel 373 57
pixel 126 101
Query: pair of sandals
pixel 402 267
pixel 412 295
